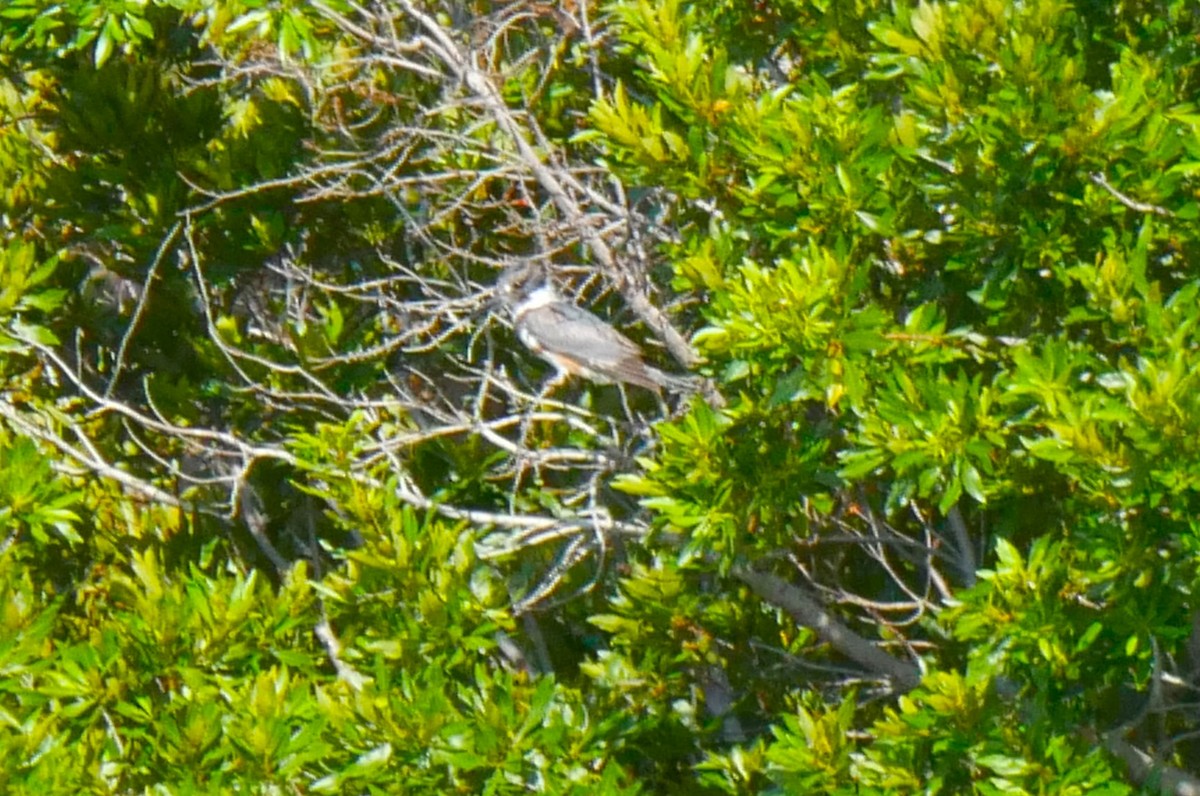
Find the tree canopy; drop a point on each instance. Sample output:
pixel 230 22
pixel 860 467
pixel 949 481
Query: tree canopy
pixel 287 507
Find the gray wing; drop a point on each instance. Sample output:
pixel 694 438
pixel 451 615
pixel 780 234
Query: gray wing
pixel 569 331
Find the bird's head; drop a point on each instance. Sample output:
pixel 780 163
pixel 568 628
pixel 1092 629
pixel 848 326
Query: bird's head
pixel 521 283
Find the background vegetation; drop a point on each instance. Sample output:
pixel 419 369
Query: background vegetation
pixel 287 509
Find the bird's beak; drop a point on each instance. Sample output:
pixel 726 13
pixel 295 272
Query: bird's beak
pixel 496 301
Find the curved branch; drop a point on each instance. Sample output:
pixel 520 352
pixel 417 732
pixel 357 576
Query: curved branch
pixel 808 612
pixel 1144 769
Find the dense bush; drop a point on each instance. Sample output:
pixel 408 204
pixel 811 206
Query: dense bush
pixel 288 509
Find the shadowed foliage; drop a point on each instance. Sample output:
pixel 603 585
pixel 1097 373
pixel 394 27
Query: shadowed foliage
pixel 286 507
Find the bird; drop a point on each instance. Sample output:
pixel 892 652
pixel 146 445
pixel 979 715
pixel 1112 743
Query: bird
pixel 573 340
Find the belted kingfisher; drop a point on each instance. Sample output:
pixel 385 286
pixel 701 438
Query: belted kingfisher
pixel 573 340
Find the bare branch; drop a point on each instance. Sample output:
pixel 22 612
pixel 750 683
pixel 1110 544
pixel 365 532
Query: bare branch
pixel 808 613
pixel 1099 179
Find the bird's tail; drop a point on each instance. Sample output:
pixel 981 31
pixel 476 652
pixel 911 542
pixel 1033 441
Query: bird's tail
pixel 672 382
pixel 687 385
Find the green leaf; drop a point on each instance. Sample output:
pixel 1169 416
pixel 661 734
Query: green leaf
pixel 1010 559
pixel 103 48
pixel 972 482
